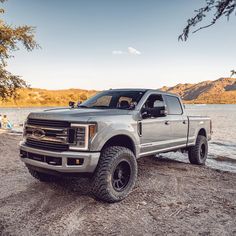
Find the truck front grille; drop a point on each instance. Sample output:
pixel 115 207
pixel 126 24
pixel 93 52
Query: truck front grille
pixel 49 135
pixel 51 146
pixel 48 123
pixel 56 135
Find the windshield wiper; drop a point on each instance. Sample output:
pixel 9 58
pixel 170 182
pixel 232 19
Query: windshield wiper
pixel 82 106
pixel 106 107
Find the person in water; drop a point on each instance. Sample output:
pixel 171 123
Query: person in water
pixel 0 121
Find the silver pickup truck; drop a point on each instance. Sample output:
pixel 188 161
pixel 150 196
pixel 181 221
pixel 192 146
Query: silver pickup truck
pixel 103 137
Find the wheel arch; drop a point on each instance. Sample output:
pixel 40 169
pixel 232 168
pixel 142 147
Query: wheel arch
pixel 202 132
pixel 121 140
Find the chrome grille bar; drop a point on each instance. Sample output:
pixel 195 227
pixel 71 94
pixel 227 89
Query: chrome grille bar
pixel 48 139
pixel 46 134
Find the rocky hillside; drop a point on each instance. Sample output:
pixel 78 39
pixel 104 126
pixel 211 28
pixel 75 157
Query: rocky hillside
pixel 222 91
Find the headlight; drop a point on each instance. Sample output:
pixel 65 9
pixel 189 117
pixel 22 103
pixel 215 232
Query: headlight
pixel 83 134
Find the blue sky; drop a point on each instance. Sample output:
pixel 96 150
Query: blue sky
pixel 112 44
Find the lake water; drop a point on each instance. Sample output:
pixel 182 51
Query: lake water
pixel 222 147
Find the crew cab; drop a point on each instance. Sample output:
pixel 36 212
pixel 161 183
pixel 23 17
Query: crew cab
pixel 104 136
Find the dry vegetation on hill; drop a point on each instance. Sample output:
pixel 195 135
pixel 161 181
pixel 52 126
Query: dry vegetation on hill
pixel 219 91
pixel 42 97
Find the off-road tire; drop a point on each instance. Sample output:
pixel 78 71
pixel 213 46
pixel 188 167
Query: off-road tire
pixel 41 176
pixel 103 180
pixel 198 154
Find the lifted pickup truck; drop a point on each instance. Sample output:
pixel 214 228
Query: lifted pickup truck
pixel 104 136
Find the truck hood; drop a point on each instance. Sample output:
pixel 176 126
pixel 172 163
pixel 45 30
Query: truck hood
pixel 76 114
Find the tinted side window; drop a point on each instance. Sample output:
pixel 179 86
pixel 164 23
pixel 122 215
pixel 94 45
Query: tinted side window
pixel 173 105
pixel 154 100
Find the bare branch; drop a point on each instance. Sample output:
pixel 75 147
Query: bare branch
pixel 220 7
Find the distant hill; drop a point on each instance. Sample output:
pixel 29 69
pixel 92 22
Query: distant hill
pixel 221 91
pixel 42 97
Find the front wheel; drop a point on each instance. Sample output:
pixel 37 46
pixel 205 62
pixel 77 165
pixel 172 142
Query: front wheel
pixel 198 153
pixel 115 174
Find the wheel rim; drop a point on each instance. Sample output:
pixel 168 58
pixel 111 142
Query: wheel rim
pixel 203 151
pixel 121 176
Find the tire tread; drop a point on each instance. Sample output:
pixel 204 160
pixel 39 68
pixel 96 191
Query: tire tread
pixel 193 153
pixel 99 180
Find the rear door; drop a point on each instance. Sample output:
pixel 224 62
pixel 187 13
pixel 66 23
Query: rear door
pixel 177 121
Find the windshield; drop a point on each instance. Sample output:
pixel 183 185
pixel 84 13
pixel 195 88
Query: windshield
pixel 114 99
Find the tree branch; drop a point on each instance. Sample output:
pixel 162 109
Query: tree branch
pixel 221 8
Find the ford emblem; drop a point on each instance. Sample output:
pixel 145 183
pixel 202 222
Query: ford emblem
pixel 38 133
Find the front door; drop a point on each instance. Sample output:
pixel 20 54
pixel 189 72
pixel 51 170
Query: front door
pixel 156 131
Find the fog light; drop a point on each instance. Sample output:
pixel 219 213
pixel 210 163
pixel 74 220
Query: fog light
pixel 75 161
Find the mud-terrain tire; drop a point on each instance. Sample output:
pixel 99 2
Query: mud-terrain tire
pixel 198 154
pixel 115 175
pixel 41 176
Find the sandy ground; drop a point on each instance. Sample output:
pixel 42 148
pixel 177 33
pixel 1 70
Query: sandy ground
pixel 170 198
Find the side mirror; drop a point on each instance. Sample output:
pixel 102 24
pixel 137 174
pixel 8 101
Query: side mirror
pixel 144 113
pixel 154 112
pixel 71 104
pixel 158 111
pixel 163 111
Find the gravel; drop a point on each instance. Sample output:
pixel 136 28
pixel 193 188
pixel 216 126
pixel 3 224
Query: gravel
pixel 170 198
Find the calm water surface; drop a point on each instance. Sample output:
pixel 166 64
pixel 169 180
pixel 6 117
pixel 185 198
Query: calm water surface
pixel 222 147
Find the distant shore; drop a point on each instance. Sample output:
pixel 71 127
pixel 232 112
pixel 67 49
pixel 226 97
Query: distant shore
pixel 221 91
pixel 30 106
pixel 66 105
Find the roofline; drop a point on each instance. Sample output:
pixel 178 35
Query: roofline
pixel 127 89
pixel 143 90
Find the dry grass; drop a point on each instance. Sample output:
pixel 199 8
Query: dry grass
pixel 42 97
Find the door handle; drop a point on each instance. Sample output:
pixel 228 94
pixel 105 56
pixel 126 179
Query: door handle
pixel 167 122
pixel 184 122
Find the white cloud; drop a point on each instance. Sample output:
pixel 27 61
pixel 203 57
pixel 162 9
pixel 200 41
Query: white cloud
pixel 117 52
pixel 130 50
pixel 133 51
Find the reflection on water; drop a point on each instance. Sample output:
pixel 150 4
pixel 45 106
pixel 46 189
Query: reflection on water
pixel 222 147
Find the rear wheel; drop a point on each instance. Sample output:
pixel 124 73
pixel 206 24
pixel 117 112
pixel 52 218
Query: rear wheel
pixel 115 175
pixel 41 176
pixel 198 153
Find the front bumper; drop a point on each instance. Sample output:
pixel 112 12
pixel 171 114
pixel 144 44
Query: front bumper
pixel 90 160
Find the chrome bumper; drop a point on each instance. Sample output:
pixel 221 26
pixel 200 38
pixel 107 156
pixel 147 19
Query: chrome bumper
pixel 88 166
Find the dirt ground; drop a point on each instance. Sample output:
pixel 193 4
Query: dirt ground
pixel 170 198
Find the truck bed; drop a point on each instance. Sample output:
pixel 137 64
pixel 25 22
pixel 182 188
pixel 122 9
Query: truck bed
pixel 196 123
